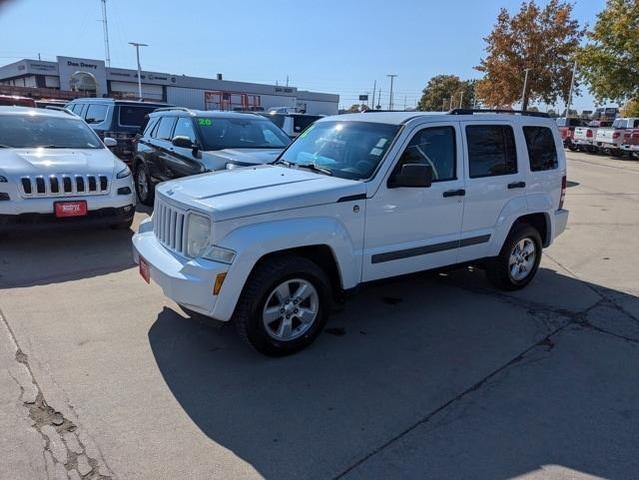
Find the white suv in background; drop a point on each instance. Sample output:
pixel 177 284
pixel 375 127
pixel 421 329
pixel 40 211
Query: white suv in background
pixel 356 198
pixel 54 170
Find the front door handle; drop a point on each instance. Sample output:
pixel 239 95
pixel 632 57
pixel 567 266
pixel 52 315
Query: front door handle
pixel 455 193
pixel 517 185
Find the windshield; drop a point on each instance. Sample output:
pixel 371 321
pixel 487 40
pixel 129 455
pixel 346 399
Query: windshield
pixel 32 131
pixel 348 149
pixel 249 132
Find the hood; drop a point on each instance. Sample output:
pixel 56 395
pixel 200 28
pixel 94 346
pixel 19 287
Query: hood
pixel 250 191
pixel 217 160
pixel 45 161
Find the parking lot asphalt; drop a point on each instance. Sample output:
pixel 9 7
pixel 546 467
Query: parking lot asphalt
pixel 429 376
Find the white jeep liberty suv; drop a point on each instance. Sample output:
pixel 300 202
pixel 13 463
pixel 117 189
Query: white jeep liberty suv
pixel 356 198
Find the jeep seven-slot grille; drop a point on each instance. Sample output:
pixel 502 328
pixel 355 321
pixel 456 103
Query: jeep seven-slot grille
pixel 168 225
pixel 64 185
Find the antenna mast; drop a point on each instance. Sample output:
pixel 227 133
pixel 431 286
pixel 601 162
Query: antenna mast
pixel 105 25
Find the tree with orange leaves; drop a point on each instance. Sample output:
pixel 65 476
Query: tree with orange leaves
pixel 542 40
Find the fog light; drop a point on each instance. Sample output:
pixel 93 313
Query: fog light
pixel 219 280
pixel 4 196
pixel 124 191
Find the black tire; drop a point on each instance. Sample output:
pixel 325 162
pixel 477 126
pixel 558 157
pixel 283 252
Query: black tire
pixel 123 225
pixel 146 198
pixel 498 269
pixel 267 276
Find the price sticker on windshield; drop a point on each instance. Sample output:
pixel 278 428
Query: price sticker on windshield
pixel 204 122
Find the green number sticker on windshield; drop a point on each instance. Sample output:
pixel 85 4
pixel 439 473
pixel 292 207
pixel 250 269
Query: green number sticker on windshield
pixel 204 122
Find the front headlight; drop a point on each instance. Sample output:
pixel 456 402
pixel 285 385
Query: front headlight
pixel 3 179
pixel 125 172
pixel 231 166
pixel 198 235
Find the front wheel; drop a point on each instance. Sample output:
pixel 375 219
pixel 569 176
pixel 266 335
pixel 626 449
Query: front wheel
pixel 518 261
pixel 283 306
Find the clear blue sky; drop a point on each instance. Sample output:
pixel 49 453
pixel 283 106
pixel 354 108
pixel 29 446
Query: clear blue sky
pixel 328 45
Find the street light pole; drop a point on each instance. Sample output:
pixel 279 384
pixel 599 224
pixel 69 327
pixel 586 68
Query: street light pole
pixel 523 93
pixel 390 100
pixel 137 54
pixel 572 86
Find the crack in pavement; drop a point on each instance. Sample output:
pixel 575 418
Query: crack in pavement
pixel 539 311
pixel 64 452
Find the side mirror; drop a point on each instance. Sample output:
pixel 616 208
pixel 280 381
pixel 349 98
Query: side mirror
pixel 182 142
pixel 110 142
pixel 412 175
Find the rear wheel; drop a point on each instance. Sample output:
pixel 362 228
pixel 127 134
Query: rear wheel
pixel 518 261
pixel 143 184
pixel 283 306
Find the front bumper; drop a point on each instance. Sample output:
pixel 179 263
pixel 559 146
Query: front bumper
pixel 186 281
pixel 100 217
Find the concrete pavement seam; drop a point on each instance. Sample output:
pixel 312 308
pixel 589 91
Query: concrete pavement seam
pixel 53 426
pixel 578 319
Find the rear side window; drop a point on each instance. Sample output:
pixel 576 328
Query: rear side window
pixel 165 128
pixel 542 152
pixel 96 113
pixel 491 150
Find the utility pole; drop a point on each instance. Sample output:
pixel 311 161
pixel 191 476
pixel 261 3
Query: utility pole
pixel 137 54
pixel 572 86
pixel 379 99
pixel 443 104
pixel 450 106
pixel 390 100
pixel 461 99
pixel 105 27
pixel 373 99
pixel 523 93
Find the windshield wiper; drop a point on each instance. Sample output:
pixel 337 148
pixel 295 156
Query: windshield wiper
pixel 316 168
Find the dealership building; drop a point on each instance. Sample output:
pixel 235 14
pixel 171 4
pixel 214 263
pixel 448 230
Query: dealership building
pixel 87 77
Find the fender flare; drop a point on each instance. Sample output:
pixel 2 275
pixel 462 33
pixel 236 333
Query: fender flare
pixel 253 242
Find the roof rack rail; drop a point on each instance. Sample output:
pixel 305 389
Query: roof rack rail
pixel 471 111
pixel 167 109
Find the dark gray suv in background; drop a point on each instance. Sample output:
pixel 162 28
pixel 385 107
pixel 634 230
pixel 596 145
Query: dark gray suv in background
pixel 177 142
pixel 118 119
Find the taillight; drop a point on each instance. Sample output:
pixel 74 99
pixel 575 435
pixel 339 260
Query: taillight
pixel 615 134
pixel 589 133
pixel 562 197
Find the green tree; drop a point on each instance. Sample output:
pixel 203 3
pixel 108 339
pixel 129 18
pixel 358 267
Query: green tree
pixel 610 62
pixel 440 89
pixel 542 40
pixel 630 109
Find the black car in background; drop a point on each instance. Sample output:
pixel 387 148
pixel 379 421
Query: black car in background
pixel 118 119
pixel 177 142
pixel 292 123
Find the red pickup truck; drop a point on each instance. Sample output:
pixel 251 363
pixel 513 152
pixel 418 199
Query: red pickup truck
pixel 567 130
pixel 15 101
